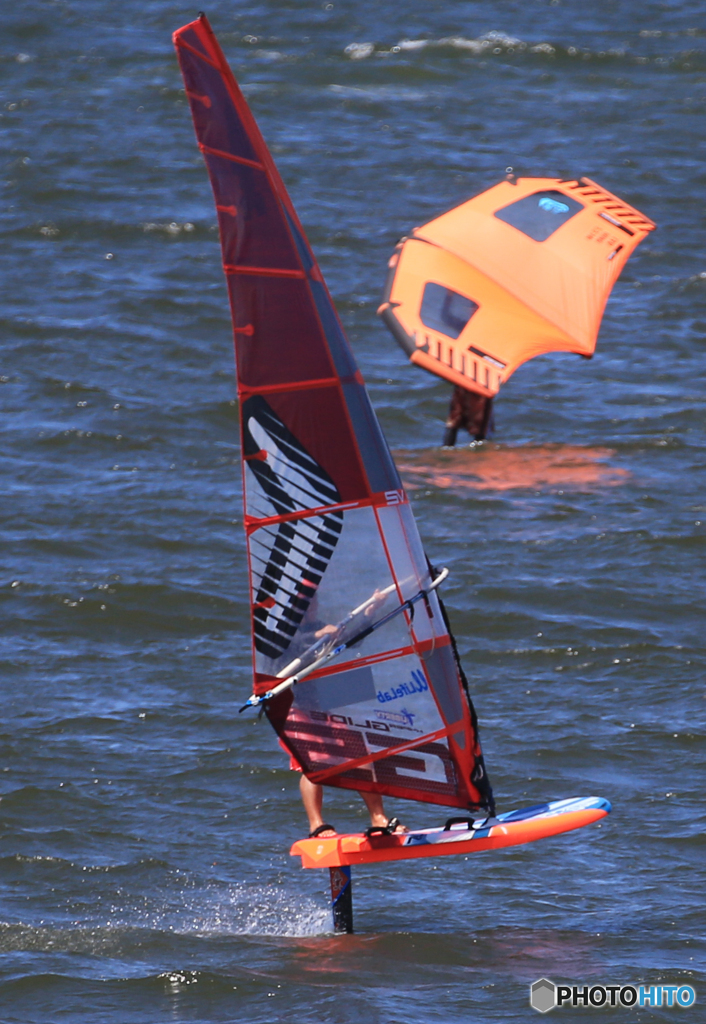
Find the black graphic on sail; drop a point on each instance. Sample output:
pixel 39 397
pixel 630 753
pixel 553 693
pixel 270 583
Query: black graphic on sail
pixel 288 558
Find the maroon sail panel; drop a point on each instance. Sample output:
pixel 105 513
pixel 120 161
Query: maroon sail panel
pixel 339 584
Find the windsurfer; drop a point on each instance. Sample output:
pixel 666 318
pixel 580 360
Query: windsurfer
pixel 471 411
pixel 312 794
pixel 320 489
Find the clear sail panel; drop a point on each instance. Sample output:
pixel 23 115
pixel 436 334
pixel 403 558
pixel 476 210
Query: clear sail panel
pixel 318 582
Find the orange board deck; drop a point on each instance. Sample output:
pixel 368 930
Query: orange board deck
pixel 510 829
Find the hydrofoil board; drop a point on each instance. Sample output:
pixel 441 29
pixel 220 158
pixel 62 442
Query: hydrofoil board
pixel 455 837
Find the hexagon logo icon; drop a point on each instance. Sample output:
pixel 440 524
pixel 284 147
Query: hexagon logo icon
pixel 543 995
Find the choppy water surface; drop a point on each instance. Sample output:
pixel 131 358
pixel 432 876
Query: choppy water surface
pixel 144 825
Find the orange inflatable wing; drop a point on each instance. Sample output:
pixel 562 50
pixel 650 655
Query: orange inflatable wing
pixel 521 269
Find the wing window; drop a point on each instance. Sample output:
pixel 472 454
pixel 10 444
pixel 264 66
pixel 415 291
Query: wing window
pixel 445 310
pixel 540 215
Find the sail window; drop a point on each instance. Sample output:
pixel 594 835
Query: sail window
pixel 445 310
pixel 336 691
pixel 540 214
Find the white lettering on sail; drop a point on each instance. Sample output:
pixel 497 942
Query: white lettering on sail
pixel 394 497
pixel 431 767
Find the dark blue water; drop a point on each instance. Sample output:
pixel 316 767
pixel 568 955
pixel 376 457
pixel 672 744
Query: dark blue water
pixel 144 824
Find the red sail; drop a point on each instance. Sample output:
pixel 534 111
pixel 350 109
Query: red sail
pixel 333 547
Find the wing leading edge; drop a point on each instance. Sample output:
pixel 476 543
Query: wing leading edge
pixel 332 544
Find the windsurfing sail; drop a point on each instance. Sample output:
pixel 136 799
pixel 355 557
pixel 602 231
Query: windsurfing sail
pixel 344 610
pixel 521 269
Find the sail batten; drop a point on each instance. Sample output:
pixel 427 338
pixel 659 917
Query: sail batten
pixel 299 275
pixel 231 156
pixel 345 618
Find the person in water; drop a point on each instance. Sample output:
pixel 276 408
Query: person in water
pixel 470 411
pixel 312 794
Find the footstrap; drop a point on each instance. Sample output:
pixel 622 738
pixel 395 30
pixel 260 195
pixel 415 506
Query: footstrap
pixel 383 830
pixel 320 829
